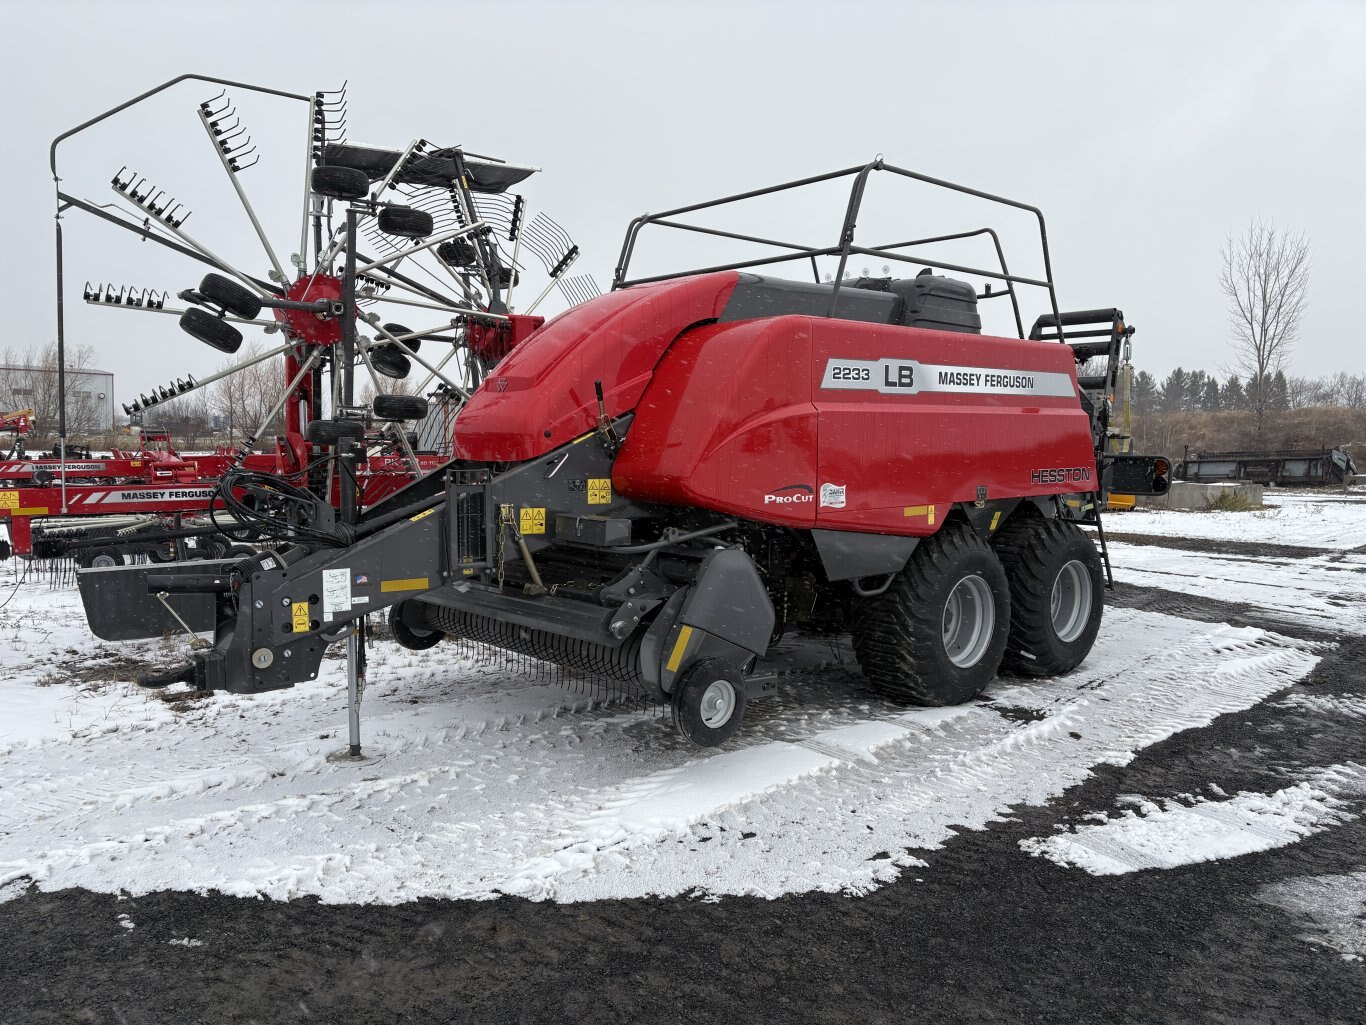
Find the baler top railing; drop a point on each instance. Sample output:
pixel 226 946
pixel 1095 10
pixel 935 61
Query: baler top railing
pixel 844 247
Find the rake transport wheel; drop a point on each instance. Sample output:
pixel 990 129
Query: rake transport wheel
pixel 936 636
pixel 1056 585
pixel 237 299
pixel 405 222
pixel 100 558
pixel 709 702
pixel 399 407
pixel 339 182
pixel 210 330
pixel 411 636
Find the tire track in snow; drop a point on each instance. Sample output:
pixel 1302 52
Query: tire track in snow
pixel 833 789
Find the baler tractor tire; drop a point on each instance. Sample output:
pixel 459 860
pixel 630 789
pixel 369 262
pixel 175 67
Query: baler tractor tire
pixel 101 558
pixel 709 702
pixel 1056 588
pixel 236 299
pixel 405 222
pixel 399 407
pixel 329 432
pixel 398 331
pixel 339 182
pixel 414 638
pixel 388 361
pixel 937 634
pixel 218 334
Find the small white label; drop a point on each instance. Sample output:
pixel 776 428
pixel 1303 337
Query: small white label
pixel 832 496
pixel 336 592
pixel 361 599
pixel 268 563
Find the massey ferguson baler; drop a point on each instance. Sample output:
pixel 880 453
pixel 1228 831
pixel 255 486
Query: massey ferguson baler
pixel 656 484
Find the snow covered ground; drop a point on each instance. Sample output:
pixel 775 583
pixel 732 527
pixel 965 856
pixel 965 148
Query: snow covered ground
pixel 1289 518
pixel 481 780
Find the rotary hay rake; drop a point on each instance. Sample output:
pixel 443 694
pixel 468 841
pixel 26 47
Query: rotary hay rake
pixel 450 244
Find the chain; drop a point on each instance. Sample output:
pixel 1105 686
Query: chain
pixel 504 525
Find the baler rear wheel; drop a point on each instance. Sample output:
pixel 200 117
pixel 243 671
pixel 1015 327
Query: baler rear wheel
pixel 709 702
pixel 1056 585
pixel 937 634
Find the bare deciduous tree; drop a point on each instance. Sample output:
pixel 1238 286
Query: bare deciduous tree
pixel 1265 279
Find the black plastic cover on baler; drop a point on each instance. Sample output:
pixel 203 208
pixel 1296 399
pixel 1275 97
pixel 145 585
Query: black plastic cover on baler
pixel 939 303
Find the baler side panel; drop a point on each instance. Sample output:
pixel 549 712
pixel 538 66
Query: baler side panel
pixel 542 394
pixel 904 458
pixel 727 424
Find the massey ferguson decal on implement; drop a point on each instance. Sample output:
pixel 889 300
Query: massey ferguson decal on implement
pixel 851 455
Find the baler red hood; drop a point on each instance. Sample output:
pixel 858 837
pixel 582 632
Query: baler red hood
pixel 542 395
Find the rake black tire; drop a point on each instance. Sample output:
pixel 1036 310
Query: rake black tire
pixel 689 693
pixel 215 333
pixel 100 558
pixel 237 299
pixel 899 635
pixel 405 222
pixel 413 636
pixel 399 407
pixel 329 432
pixel 389 362
pixel 1034 552
pixel 398 331
pixel 339 182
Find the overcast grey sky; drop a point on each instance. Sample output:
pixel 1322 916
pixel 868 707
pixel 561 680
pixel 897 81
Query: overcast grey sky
pixel 1145 132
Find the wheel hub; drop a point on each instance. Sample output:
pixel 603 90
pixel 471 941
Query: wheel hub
pixel 718 704
pixel 312 328
pixel 1070 604
pixel 969 620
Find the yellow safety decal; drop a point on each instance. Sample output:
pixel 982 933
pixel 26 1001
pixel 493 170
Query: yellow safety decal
pixel 599 490
pixel 9 500
pixel 680 646
pixel 298 612
pixel 532 520
pixel 921 510
pixel 408 584
pixel 421 516
pixel 37 510
pixel 995 520
pixel 135 463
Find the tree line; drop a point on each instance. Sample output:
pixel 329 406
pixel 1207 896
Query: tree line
pixel 1195 391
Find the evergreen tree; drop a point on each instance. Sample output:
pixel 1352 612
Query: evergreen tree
pixel 1233 396
pixel 1174 390
pixel 1195 391
pixel 1209 401
pixel 1278 393
pixel 1145 393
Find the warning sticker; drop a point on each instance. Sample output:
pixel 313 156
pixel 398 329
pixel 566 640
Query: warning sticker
pixel 599 490
pixel 833 496
pixel 336 592
pixel 532 520
pixel 299 615
pixel 9 500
